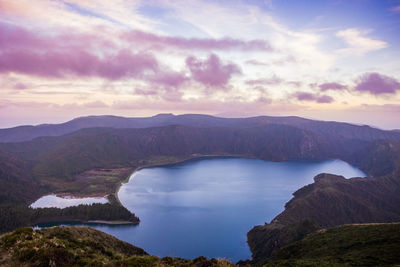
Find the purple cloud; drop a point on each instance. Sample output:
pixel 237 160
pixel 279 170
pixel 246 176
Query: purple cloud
pixel 20 86
pixel 211 72
pixel 160 42
pixel 377 84
pixel 77 63
pixel 304 96
pixel 68 55
pixel 170 79
pixel 14 37
pixel 324 99
pixel 332 86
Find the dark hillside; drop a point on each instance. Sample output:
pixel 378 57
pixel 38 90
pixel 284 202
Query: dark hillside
pixel 333 200
pixel 64 156
pixel 82 246
pixel 347 245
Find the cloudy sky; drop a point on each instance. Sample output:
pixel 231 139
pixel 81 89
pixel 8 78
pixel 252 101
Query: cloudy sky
pixel 329 60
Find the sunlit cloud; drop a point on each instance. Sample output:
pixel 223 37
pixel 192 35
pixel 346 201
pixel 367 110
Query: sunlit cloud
pixel 358 43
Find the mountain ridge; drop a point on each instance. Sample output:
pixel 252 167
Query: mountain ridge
pixel 25 133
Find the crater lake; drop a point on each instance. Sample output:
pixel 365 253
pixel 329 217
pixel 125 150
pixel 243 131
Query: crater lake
pixel 206 206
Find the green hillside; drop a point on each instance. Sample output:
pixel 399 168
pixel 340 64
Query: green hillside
pixel 81 246
pixel 347 245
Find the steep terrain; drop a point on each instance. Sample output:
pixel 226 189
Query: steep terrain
pixel 81 246
pixel 333 200
pixel 347 245
pixel 56 160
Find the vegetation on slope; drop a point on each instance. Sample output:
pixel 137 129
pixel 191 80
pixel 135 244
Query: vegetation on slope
pixel 81 246
pixel 333 200
pixel 62 158
pixel 347 245
pixel 14 216
pixel 64 164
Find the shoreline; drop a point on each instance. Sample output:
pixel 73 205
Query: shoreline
pixel 194 156
pixel 160 163
pixel 111 222
pixel 101 222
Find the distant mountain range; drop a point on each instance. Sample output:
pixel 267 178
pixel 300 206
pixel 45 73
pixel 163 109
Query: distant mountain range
pixel 334 129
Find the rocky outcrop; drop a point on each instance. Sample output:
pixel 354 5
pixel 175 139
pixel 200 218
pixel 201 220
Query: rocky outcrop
pixel 331 200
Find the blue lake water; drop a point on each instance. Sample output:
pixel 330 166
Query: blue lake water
pixel 205 207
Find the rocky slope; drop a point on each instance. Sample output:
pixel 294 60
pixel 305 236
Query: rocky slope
pixel 81 246
pixel 333 200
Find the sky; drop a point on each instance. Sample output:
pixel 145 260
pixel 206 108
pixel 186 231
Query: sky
pixel 321 59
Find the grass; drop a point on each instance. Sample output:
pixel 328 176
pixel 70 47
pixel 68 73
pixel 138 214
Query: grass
pixel 82 246
pixel 347 245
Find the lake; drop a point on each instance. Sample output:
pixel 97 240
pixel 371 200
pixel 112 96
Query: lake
pixel 54 201
pixel 205 207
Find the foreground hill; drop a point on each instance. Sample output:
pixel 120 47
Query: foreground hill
pixel 347 245
pixel 333 200
pixel 81 246
pixel 331 128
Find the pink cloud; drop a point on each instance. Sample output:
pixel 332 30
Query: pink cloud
pixel 377 84
pixel 169 78
pixel 13 37
pixel 211 72
pixel 78 63
pixel 66 55
pixel 304 96
pixel 145 92
pixel 332 86
pixel 160 42
pixel 324 99
pixel 20 86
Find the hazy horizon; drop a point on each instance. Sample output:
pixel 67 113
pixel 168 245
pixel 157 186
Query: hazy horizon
pixel 60 121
